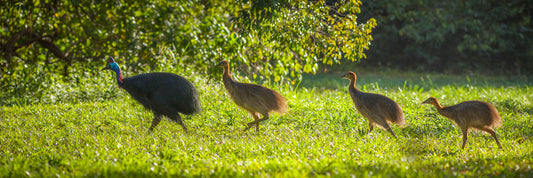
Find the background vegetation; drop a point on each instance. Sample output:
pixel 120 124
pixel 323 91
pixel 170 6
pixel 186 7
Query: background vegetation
pixel 452 36
pixel 285 38
pixel 61 116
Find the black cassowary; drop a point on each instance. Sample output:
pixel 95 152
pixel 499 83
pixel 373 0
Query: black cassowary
pixel 165 94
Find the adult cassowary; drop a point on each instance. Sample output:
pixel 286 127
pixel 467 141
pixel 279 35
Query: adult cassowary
pixel 165 94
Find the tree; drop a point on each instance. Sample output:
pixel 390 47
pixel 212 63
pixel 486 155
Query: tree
pixel 294 36
pixel 59 33
pixel 284 38
pixel 453 35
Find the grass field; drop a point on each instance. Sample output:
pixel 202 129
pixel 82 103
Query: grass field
pixel 93 134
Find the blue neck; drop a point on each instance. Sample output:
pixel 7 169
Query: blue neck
pixel 118 76
pixel 116 68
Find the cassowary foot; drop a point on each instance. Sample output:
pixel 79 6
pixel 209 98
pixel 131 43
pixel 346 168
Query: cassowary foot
pixel 255 122
pixel 390 130
pixel 185 129
pixel 246 129
pixel 371 127
pixel 250 125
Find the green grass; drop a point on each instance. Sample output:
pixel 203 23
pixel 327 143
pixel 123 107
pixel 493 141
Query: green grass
pixel 321 135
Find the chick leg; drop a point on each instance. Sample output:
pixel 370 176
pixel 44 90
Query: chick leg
pixel 265 117
pixel 465 136
pixel 371 126
pixel 250 124
pixel 387 126
pixel 493 134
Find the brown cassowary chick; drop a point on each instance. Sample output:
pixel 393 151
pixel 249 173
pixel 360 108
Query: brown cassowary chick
pixel 471 114
pixel 256 99
pixel 378 109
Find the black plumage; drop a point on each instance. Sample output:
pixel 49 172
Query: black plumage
pixel 165 94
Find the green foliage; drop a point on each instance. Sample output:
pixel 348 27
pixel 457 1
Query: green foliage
pixel 455 35
pixel 59 33
pixel 291 40
pixel 86 82
pixel 321 135
pixel 286 37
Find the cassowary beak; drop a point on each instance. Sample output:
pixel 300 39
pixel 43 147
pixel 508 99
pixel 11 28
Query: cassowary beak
pixel 345 76
pixel 221 64
pixel 106 67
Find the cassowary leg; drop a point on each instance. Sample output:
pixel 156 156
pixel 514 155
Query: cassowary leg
pixel 371 125
pixel 256 118
pixel 257 124
pixel 493 134
pixel 387 126
pixel 155 121
pixel 465 136
pixel 180 121
pixel 265 117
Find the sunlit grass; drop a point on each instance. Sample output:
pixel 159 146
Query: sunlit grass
pixel 322 134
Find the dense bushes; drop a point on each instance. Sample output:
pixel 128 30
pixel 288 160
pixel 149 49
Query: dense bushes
pixel 45 43
pixel 284 38
pixel 486 35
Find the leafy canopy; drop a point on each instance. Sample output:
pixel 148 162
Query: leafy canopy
pixel 261 38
